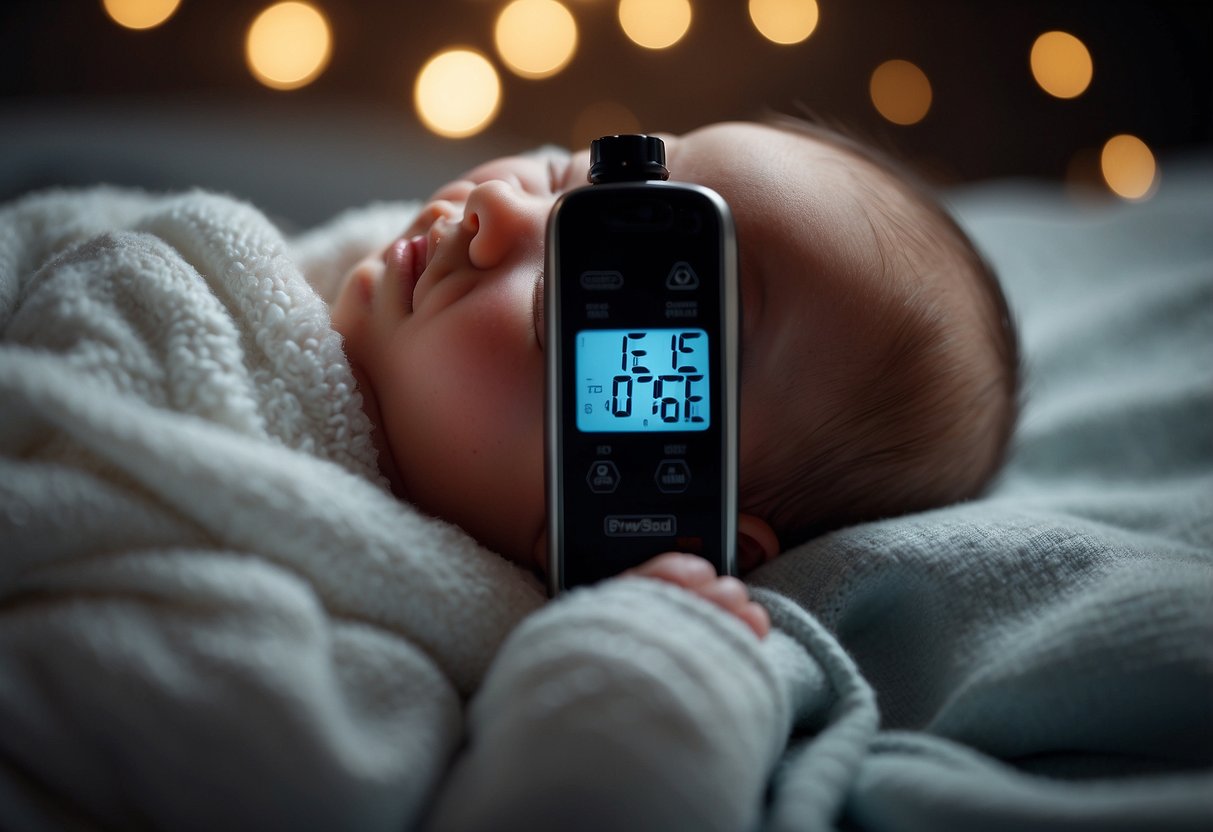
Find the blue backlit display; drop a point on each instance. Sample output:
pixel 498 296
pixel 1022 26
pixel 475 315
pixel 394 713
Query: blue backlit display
pixel 642 380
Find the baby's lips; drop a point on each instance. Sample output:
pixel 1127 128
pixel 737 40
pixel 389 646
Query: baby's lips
pixel 421 245
pixel 405 261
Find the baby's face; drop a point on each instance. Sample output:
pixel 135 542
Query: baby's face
pixel 444 328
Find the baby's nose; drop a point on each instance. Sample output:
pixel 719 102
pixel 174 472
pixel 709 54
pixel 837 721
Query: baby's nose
pixel 504 221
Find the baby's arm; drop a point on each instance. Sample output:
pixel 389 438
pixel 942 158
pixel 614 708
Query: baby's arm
pixel 631 704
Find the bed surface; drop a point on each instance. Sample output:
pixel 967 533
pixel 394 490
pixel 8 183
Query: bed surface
pixel 1036 658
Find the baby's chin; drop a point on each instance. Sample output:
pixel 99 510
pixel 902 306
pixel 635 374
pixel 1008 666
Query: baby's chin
pixel 352 302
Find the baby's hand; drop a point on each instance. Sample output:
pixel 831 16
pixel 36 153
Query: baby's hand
pixel 697 575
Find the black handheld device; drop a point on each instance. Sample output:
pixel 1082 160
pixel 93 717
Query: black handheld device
pixel 641 313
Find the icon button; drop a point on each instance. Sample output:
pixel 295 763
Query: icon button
pixel 601 280
pixel 603 477
pixel 673 476
pixel 682 277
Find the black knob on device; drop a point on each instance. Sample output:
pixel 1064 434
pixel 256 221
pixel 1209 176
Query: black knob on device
pixel 627 158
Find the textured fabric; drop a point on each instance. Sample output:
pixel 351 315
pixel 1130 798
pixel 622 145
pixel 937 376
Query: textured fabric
pixel 212 614
pixel 630 705
pixel 1042 658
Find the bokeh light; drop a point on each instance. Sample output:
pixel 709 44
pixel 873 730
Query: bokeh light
pixel 1061 64
pixel 288 45
pixel 1128 167
pixel 784 21
pixel 535 38
pixel 602 118
pixel 140 14
pixel 655 24
pixel 901 92
pixel 457 94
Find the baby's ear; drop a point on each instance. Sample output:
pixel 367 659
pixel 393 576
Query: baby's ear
pixel 757 542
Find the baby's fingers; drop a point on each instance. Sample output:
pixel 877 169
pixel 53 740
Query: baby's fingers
pixel 687 571
pixel 755 616
pixel 733 597
pixel 697 575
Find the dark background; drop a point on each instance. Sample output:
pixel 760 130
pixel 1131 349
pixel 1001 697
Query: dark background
pixel 64 67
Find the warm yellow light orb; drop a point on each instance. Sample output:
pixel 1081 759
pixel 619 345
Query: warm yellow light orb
pixel 655 24
pixel 784 21
pixel 1061 64
pixel 900 91
pixel 457 93
pixel 535 38
pixel 1128 167
pixel 288 45
pixel 140 14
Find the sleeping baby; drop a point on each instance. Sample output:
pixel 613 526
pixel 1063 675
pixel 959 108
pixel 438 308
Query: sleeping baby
pixel 199 551
pixel 879 365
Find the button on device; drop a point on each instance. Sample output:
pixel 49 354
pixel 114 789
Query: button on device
pixel 682 276
pixel 673 476
pixel 603 477
pixel 598 280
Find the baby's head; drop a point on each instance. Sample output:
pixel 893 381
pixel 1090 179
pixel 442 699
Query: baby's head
pixel 878 362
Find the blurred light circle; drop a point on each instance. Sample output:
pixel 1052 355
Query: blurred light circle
pixel 900 92
pixel 784 21
pixel 288 45
pixel 1128 167
pixel 535 38
pixel 140 14
pixel 655 24
pixel 1061 64
pixel 457 93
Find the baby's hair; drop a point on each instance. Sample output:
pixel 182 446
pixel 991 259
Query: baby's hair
pixel 912 438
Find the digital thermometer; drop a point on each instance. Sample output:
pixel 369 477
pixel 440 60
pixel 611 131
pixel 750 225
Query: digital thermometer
pixel 641 311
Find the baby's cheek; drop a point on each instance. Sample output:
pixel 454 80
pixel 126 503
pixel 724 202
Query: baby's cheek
pixel 482 390
pixel 355 295
pixel 467 427
pixel 500 397
pixel 480 464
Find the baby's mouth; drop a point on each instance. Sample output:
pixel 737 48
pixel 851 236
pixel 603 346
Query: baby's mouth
pixel 406 260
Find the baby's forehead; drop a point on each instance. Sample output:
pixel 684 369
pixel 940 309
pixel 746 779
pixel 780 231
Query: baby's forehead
pixel 786 187
pixel 734 153
pixel 802 208
pixel 825 235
